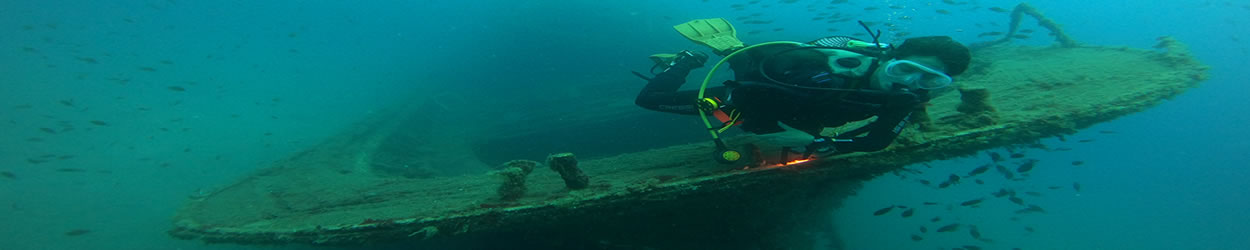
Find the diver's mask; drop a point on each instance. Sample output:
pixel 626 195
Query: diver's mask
pixel 911 75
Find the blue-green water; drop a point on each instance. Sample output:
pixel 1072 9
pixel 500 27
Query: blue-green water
pixel 257 81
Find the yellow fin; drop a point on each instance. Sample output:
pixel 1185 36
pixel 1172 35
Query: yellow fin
pixel 716 33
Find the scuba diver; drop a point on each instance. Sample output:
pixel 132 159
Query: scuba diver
pixel 825 83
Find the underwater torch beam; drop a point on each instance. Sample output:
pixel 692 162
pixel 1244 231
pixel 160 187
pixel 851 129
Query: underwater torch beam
pixel 566 165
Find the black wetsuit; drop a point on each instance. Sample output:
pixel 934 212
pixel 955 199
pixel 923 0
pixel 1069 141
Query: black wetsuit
pixel 763 105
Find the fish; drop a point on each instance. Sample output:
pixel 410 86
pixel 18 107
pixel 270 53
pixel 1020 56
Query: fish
pixel 924 229
pixel 972 202
pixel 99 123
pixel 943 12
pixel 1085 140
pixel 976 234
pixel 871 8
pixel 1026 31
pixel 1020 36
pixel 952 2
pixel 882 211
pixel 971 247
pixel 71 170
pixel 925 182
pixel 1106 132
pixel 930 203
pixel 87 60
pixel 989 34
pixel 1078 163
pixel 77 232
pixel 979 181
pixel 953 178
pixel 948 228
pixel 908 212
pixel 1053 187
pixel 1017 155
pixel 944 184
pixel 1005 173
pixel 177 88
pixel 1016 200
pixel 1031 209
pixel 979 170
pixel 1034 194
pixel 1076 186
pixel 779 29
pixel 148 69
pixel 48 130
pixel 8 174
pixel 1001 192
pixel 66 103
pixel 998 9
pixel 916 238
pixel 996 157
pixel 1030 229
pixel 897 7
pixel 935 219
pixel 1026 166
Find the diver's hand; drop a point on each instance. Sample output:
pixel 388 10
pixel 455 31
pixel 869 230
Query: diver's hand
pixel 688 60
pixel 820 147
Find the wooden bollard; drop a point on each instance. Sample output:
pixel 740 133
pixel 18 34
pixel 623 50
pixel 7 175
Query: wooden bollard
pixel 566 165
pixel 513 174
pixel 975 100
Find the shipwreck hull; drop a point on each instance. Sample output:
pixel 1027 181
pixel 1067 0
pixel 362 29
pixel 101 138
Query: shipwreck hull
pixel 367 186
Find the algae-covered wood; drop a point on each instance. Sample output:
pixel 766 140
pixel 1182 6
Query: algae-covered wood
pixel 364 185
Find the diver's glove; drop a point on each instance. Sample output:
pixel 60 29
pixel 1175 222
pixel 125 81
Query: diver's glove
pixel 687 60
pixel 821 147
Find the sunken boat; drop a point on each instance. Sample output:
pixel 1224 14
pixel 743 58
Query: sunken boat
pixel 376 182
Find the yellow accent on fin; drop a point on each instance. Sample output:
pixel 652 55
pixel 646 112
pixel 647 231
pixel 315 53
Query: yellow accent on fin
pixel 731 155
pixel 716 33
pixel 662 58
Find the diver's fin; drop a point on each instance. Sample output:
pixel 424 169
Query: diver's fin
pixel 640 75
pixel 715 33
pixel 662 58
